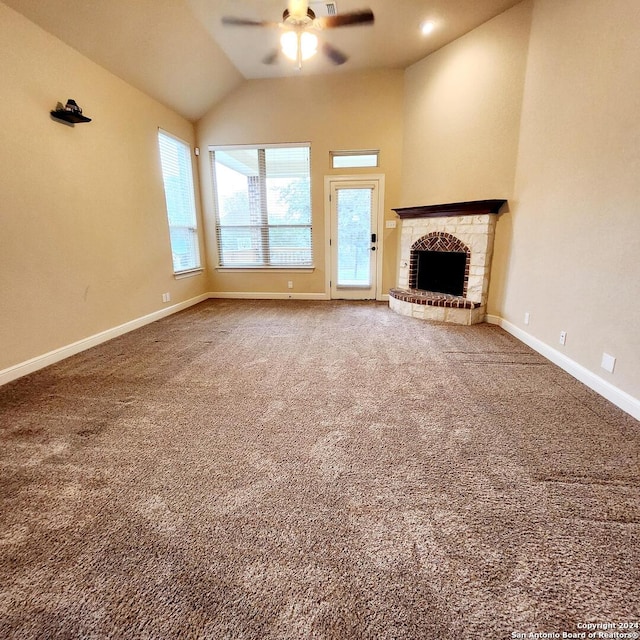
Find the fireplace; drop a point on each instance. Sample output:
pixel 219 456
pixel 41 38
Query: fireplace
pixel 439 262
pixel 440 271
pixel 445 261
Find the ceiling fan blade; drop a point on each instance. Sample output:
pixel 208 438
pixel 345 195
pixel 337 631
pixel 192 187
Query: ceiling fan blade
pixel 272 58
pixel 346 19
pixel 335 55
pixel 245 22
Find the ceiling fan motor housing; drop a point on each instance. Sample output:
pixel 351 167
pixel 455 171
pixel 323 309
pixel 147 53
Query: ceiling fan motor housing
pixel 287 18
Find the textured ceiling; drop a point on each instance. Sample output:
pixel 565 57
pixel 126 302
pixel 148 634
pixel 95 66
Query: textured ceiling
pixel 178 51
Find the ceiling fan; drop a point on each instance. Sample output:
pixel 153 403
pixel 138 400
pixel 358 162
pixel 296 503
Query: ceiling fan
pixel 299 23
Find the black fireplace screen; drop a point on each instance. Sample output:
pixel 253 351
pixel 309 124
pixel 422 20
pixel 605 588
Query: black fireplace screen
pixel 441 271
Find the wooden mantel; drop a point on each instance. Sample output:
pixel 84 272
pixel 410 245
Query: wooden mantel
pixel 473 208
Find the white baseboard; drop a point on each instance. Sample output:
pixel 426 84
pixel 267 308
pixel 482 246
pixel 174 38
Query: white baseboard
pixel 253 295
pixel 620 398
pixel 39 362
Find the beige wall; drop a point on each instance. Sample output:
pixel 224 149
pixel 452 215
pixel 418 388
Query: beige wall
pixel 344 111
pixel 84 243
pixel 462 114
pixel 571 246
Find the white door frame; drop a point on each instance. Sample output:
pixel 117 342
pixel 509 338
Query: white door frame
pixel 379 226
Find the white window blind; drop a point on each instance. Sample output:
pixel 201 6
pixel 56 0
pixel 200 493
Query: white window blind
pixel 263 205
pixel 177 174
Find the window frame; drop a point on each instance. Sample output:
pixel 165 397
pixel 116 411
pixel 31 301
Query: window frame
pixel 264 226
pixel 187 149
pixel 355 153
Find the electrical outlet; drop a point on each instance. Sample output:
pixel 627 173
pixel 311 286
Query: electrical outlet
pixel 166 297
pixel 290 284
pixel 563 337
pixel 390 224
pixel 608 362
pixel 526 318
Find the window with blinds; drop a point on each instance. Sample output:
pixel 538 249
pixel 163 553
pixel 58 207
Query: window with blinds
pixel 177 175
pixel 263 205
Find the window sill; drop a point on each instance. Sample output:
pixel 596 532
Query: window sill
pixel 263 269
pixel 188 274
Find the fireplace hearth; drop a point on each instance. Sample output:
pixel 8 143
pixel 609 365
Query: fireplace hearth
pixel 445 261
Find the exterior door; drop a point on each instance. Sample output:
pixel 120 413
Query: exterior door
pixel 354 241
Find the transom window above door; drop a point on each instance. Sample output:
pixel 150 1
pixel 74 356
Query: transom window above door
pixel 354 159
pixel 262 199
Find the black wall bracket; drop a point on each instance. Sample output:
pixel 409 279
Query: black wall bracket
pixel 69 114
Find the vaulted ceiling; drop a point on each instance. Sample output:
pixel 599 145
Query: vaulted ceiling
pixel 180 53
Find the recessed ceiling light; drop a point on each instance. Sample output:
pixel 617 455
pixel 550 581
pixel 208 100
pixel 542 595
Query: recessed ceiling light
pixel 427 27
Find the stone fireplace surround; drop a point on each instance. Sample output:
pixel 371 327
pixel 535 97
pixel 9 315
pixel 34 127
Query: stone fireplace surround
pixel 460 226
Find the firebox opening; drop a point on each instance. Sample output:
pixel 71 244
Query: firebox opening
pixel 441 271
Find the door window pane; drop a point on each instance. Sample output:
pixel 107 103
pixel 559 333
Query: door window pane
pixel 354 237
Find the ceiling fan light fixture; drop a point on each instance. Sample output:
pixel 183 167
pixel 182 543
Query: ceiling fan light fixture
pixel 299 46
pixel 308 44
pixel 289 44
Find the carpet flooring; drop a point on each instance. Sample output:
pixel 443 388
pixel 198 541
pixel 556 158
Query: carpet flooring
pixel 325 470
